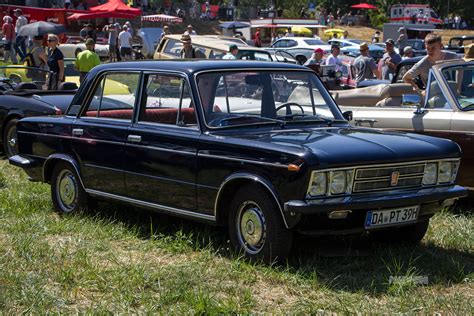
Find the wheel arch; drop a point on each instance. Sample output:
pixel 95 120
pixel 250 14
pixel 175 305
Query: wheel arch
pixel 231 184
pixel 52 160
pixel 10 116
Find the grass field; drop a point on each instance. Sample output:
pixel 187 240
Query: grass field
pixel 124 260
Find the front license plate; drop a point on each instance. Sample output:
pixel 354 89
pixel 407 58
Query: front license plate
pixel 391 217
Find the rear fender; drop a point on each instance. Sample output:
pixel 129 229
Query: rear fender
pixel 51 161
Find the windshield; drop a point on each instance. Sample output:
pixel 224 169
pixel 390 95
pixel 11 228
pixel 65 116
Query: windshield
pixel 11 76
pixel 264 97
pixel 314 42
pixel 460 80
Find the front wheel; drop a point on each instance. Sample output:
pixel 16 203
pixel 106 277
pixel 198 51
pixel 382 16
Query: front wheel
pixel 256 226
pixel 410 234
pixel 10 140
pixel 66 191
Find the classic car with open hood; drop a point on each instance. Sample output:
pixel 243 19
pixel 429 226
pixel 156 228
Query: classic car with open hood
pixel 258 147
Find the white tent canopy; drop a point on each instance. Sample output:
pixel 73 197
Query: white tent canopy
pixel 162 18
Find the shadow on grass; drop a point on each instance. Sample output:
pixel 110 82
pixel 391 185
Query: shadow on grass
pixel 355 264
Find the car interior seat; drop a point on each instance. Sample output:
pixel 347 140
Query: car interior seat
pixel 26 86
pixel 67 86
pixel 436 98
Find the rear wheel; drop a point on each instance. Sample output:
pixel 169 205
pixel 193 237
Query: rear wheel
pixel 407 234
pixel 10 140
pixel 256 226
pixel 66 191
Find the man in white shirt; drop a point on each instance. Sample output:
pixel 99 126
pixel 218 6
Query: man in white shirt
pixel 125 43
pixel 189 30
pixel 20 41
pixel 232 54
pixel 333 59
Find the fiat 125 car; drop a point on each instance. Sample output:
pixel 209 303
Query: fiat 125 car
pixel 258 147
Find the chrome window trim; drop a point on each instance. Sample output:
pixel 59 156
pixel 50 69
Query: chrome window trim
pixel 271 164
pixel 155 206
pixel 156 124
pixel 183 152
pixel 448 88
pixel 309 71
pixel 250 177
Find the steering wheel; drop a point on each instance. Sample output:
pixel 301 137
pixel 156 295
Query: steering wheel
pixel 281 53
pixel 288 107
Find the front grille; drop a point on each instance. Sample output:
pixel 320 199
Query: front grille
pixel 380 178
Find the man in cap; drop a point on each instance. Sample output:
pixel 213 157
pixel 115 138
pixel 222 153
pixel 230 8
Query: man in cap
pixel 233 51
pixel 20 41
pixel 402 39
pixel 365 65
pixel 376 37
pixel 316 57
pixel 87 59
pixel 125 43
pixel 421 69
pixel 190 30
pixel 333 59
pixel 390 60
pixel 188 50
pixel 408 52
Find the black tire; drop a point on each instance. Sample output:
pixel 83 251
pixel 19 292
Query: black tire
pixel 410 234
pixel 66 190
pixel 10 140
pixel 301 59
pixel 265 237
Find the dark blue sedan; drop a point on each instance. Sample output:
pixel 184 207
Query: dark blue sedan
pixel 259 147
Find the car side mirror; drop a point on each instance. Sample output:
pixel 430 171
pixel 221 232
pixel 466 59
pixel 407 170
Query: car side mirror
pixel 348 115
pixel 413 100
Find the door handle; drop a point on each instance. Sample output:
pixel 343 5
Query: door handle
pixel 134 138
pixel 77 132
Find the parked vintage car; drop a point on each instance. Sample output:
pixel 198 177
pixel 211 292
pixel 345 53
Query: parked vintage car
pixel 457 44
pixel 257 146
pixel 350 47
pixel 447 111
pixel 71 49
pixel 149 37
pixel 24 99
pixel 300 47
pixel 215 48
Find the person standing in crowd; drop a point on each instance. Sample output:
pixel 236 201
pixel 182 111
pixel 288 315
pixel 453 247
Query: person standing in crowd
pixel 190 30
pixel 376 37
pixel 67 4
pixel 435 53
pixel 365 66
pixel 390 60
pixel 84 32
pixel 402 39
pixel 289 33
pixel 117 48
pixel 55 62
pixel 40 60
pixel 20 41
pixel 233 51
pixel 333 59
pixel 345 35
pixel 111 31
pixel 408 52
pixel 166 31
pixel 188 50
pixel 316 58
pixel 257 42
pixel 125 43
pixel 8 31
pixel 129 26
pixel 86 60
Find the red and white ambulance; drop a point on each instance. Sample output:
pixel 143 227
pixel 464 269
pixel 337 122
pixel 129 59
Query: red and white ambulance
pixel 413 14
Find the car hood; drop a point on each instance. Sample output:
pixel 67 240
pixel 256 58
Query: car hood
pixel 345 146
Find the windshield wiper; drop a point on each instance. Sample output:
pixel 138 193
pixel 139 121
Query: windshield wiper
pixel 245 116
pixel 311 117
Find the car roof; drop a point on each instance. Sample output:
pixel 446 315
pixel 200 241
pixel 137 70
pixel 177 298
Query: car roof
pixel 190 66
pixel 462 37
pixel 210 41
pixel 453 62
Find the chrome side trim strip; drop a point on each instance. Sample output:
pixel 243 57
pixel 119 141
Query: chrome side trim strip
pixel 159 207
pixel 161 149
pixel 158 178
pixel 271 164
pixel 254 178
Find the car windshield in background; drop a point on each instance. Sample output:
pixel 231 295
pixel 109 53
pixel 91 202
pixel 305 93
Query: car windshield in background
pixel 264 97
pixel 460 80
pixel 315 42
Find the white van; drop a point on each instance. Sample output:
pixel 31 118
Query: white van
pixel 413 14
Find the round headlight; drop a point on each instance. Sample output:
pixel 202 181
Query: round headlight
pixel 338 182
pixel 318 184
pixel 431 173
pixel 445 171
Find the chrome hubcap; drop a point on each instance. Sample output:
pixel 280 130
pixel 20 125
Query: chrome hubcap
pixel 67 190
pixel 251 227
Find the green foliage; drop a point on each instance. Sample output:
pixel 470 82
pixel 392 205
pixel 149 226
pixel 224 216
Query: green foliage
pixel 378 18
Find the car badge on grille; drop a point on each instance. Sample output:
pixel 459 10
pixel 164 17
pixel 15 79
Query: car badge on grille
pixel 394 178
